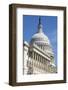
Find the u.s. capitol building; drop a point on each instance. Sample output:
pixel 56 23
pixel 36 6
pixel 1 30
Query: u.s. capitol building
pixel 38 54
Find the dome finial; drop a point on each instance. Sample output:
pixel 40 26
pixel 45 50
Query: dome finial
pixel 39 20
pixel 40 25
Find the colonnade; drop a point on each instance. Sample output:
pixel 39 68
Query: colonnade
pixel 39 62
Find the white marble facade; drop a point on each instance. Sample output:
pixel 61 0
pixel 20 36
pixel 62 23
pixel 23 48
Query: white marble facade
pixel 38 54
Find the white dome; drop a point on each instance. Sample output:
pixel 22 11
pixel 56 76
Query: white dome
pixel 40 38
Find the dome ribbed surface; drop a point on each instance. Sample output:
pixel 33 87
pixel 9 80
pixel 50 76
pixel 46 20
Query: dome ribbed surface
pixel 40 38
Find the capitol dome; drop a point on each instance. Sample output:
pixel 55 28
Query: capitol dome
pixel 40 37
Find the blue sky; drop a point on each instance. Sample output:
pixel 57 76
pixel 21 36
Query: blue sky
pixel 49 28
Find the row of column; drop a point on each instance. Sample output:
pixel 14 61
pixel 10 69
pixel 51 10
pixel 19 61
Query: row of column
pixel 39 61
pixel 39 58
pixel 44 47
